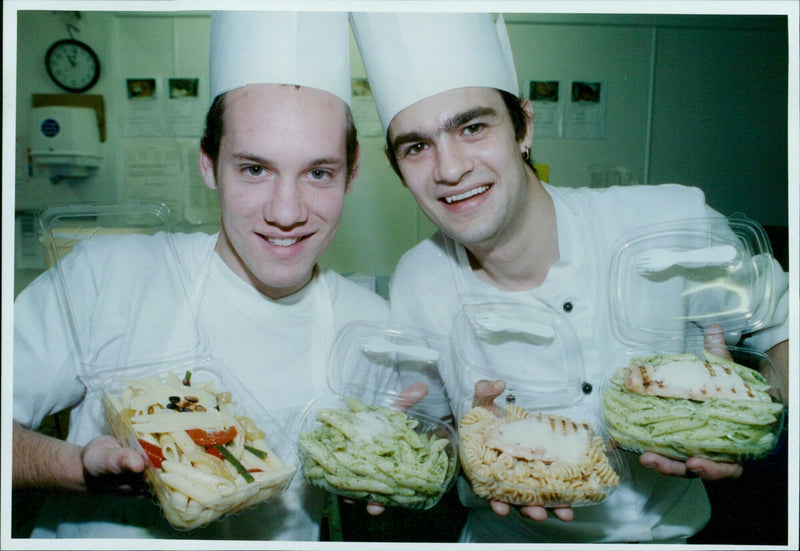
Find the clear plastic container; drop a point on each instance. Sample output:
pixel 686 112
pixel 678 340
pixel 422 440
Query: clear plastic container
pixel 194 480
pixel 539 456
pixel 674 415
pixel 539 442
pixel 694 273
pixel 364 440
pixel 108 370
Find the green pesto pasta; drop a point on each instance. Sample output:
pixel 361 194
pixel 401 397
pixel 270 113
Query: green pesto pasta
pixel 719 429
pixel 377 454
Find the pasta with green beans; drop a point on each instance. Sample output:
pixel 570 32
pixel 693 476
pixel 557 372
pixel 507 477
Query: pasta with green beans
pixel 375 453
pixel 720 429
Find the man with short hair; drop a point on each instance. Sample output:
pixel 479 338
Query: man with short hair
pixel 280 149
pixel 459 138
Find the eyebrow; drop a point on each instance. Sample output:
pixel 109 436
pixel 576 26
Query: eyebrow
pixel 450 124
pixel 257 159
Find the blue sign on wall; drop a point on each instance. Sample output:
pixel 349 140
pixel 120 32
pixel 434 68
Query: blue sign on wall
pixel 50 127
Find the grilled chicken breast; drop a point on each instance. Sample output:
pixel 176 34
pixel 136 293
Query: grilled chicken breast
pixel 686 376
pixel 542 437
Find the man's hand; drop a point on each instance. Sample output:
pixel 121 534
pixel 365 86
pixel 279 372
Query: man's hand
pixel 108 466
pixel 692 467
pixel 41 461
pixel 485 394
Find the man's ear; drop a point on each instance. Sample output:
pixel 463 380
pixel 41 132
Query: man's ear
pixel 528 108
pixel 389 158
pixel 351 179
pixel 207 170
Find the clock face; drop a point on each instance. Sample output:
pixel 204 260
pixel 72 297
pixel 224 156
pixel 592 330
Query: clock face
pixel 72 65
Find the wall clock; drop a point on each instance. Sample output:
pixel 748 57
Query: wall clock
pixel 72 65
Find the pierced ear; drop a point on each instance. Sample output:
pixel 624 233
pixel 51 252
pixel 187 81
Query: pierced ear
pixel 528 108
pixel 207 170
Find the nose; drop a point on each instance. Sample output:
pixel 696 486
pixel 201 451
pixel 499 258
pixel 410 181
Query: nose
pixel 285 207
pixel 452 162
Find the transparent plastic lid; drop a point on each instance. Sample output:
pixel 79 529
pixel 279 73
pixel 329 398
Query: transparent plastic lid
pixel 83 240
pixel 669 281
pixel 370 360
pixel 366 440
pixel 529 345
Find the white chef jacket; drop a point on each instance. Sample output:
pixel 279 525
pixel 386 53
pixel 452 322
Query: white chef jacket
pixel 128 300
pixel 425 290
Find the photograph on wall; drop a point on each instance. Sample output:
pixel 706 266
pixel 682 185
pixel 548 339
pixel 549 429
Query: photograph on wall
pixel 586 112
pixel 184 110
pixel 141 88
pixel 548 112
pixel 142 111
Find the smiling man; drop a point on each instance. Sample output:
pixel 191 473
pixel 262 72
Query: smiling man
pixel 459 138
pixel 281 150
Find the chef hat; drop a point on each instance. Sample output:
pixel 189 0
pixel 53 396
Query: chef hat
pixel 305 48
pixel 412 56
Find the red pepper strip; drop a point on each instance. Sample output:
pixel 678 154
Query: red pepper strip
pixel 214 451
pixel 205 438
pixel 255 470
pixel 154 454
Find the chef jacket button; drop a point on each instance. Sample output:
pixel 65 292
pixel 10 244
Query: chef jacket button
pixel 586 388
pixel 567 307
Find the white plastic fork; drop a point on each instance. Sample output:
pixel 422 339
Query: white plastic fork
pixel 382 346
pixel 656 260
pixel 492 323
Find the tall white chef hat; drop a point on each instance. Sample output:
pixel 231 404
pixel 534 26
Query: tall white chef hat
pixel 412 56
pixel 305 48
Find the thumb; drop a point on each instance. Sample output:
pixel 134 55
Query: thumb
pixel 714 341
pixel 411 395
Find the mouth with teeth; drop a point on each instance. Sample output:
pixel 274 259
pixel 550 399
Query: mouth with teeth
pixel 450 199
pixel 283 241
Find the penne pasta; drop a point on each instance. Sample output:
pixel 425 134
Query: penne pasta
pixel 196 446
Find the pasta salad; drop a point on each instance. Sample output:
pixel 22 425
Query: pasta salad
pixel 205 457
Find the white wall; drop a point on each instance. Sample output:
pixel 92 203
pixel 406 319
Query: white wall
pixel 696 100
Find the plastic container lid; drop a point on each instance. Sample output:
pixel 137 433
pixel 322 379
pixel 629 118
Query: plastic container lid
pixel 529 345
pixel 720 270
pixel 693 273
pixel 372 360
pixel 86 231
pixel 364 441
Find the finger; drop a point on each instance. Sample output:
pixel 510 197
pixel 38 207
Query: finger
pixel 662 464
pixel 711 470
pixel 129 460
pixel 500 508
pixel 565 514
pixel 486 392
pixel 374 509
pixel 714 341
pixel 534 512
pixel 411 395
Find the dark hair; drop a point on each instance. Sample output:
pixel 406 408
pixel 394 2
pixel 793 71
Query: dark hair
pixel 519 118
pixel 212 136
